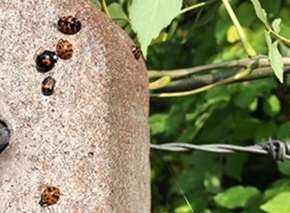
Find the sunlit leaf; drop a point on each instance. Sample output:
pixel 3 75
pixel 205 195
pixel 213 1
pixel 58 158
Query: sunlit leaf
pixel 232 35
pixel 272 105
pixel 235 197
pixel 149 17
pixel 158 123
pixel 260 12
pixel 275 57
pixel 117 14
pixel 279 204
pixel 276 25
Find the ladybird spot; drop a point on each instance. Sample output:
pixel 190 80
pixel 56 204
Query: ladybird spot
pixel 55 195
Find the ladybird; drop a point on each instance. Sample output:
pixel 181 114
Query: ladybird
pixel 45 60
pixel 69 25
pixel 64 49
pixel 4 136
pixel 49 196
pixel 47 87
pixel 136 52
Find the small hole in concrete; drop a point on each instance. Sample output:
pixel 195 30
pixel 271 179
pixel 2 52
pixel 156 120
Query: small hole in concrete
pixel 90 154
pixel 4 135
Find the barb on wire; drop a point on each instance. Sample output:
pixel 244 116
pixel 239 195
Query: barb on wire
pixel 279 150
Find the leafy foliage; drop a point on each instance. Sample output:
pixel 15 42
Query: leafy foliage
pixel 278 204
pixel 147 19
pixel 244 113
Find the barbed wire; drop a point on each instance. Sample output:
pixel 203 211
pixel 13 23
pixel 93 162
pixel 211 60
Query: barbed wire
pixel 278 149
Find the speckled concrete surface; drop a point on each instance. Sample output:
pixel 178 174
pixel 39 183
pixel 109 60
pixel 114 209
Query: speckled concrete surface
pixel 91 137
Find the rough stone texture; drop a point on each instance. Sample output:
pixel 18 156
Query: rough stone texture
pixel 91 137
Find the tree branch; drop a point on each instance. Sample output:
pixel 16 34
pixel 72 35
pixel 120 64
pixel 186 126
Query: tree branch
pixel 203 80
pixel 262 61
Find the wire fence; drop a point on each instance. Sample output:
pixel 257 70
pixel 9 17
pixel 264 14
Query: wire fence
pixel 278 149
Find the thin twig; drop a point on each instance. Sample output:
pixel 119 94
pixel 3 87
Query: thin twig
pixel 262 61
pixel 238 76
pixel 195 6
pixel 105 8
pixel 247 46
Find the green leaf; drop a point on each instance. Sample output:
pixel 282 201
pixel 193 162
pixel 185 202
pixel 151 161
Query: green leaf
pixel 279 204
pixel 285 51
pixel 260 12
pixel 149 17
pixel 284 168
pixel 272 106
pixel 97 3
pixel 243 128
pixel 157 123
pixel 232 35
pixel 246 14
pixel 273 10
pixel 221 29
pixel 183 209
pixel 284 131
pixel 244 99
pixel 235 197
pixel 253 105
pixel 212 182
pixel 265 131
pixel 276 25
pixel 234 165
pixel 175 120
pixel 282 185
pixel 118 14
pixel 275 57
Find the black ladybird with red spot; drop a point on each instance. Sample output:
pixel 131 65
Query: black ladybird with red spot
pixel 69 25
pixel 136 52
pixel 49 196
pixel 47 86
pixel 45 60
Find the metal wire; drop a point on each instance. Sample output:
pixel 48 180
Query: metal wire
pixel 279 150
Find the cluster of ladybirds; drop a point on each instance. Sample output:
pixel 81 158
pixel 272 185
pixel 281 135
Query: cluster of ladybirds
pixel 46 59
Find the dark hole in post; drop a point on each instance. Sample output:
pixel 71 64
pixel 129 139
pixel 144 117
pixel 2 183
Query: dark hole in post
pixel 4 135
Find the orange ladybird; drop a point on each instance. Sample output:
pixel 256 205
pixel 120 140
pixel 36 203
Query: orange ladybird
pixel 49 196
pixel 64 49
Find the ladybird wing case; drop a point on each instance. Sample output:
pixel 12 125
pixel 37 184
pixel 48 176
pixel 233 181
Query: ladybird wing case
pixel 48 85
pixel 69 24
pixel 45 61
pixel 64 49
pixel 49 196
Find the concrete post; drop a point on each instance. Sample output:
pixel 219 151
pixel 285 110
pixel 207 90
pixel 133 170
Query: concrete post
pixel 90 138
